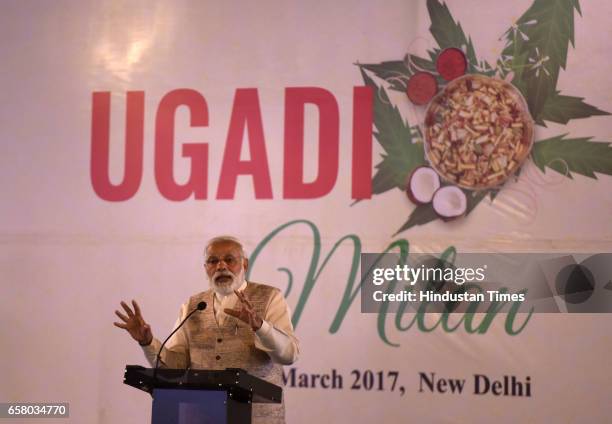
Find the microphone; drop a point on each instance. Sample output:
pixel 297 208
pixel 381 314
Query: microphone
pixel 201 306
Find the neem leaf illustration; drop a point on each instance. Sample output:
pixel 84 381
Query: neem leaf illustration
pixel 449 33
pixel 559 108
pixel 395 72
pixel 424 214
pixel 537 46
pixel 402 155
pixel 423 64
pixel 579 155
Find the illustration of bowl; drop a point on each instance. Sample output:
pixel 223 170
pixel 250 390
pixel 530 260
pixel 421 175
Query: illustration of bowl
pixel 478 132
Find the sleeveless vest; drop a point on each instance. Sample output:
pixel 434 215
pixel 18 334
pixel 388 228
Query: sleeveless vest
pixel 232 345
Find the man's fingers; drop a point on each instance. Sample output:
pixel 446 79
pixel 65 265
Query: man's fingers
pixel 120 325
pixel 240 314
pixel 232 312
pixel 238 295
pixel 123 317
pixel 247 301
pixel 127 309
pixel 136 308
pixel 243 298
pixel 247 306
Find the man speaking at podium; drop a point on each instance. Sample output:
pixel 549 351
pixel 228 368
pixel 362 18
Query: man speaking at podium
pixel 245 325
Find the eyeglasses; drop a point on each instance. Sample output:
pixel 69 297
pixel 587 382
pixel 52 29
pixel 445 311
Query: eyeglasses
pixel 229 260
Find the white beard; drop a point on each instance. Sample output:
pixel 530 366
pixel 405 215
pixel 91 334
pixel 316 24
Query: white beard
pixel 225 288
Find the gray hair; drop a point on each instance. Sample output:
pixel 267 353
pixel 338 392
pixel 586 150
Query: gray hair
pixel 225 239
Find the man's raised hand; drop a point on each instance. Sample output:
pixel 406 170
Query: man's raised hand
pixel 134 324
pixel 246 313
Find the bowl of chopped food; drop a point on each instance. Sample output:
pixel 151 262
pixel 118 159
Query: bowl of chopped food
pixel 478 132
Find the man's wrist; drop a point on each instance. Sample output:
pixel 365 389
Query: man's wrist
pixel 264 329
pixel 146 343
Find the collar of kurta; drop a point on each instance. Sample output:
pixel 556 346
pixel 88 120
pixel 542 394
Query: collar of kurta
pixel 221 302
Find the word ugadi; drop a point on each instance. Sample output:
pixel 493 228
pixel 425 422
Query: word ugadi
pixel 246 118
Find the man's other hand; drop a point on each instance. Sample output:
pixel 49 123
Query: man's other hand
pixel 134 324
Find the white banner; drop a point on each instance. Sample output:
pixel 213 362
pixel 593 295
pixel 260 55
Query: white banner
pixel 132 132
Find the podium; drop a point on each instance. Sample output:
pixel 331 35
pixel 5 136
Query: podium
pixel 202 396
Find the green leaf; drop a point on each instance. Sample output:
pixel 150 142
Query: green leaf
pixel 561 109
pixel 579 155
pixel 515 61
pixel 393 171
pixel 493 193
pixel 421 215
pixel 537 48
pixel 395 136
pixel 475 197
pixel 386 178
pixel 424 214
pixel 422 64
pixel 397 72
pixel 485 69
pixel 448 33
pixel 393 72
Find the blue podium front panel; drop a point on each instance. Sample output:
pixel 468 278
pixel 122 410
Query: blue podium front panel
pixel 172 406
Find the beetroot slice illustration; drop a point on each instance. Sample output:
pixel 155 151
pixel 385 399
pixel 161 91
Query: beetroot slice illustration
pixel 421 88
pixel 451 63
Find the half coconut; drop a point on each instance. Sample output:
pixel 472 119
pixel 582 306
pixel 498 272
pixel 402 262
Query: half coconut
pixel 422 184
pixel 449 202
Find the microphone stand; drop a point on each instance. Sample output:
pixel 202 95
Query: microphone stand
pixel 201 306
